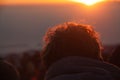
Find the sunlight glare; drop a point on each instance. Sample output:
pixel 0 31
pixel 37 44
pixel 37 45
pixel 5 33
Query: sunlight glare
pixel 88 2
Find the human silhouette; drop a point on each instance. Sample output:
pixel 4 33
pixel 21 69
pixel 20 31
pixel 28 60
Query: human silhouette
pixel 8 72
pixel 72 51
pixel 115 58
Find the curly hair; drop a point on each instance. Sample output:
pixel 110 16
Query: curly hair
pixel 70 39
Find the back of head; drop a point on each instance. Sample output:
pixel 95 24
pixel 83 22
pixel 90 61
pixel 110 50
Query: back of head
pixel 70 39
pixel 7 71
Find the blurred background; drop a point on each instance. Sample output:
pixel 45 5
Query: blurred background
pixel 23 24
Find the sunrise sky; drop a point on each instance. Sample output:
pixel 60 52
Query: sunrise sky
pixel 22 27
pixel 11 2
pixel 31 1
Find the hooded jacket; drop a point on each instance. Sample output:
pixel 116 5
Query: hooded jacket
pixel 79 68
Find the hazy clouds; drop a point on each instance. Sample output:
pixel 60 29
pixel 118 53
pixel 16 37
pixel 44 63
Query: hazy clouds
pixel 27 24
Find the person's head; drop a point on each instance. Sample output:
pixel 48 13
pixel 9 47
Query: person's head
pixel 70 39
pixel 7 71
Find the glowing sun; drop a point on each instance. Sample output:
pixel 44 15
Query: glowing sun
pixel 88 2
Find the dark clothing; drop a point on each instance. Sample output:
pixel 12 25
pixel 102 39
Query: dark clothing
pixel 115 58
pixel 7 71
pixel 78 68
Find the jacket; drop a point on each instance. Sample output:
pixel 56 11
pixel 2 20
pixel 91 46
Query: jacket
pixel 79 68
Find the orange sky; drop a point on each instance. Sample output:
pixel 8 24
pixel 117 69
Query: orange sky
pixel 31 1
pixel 16 2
